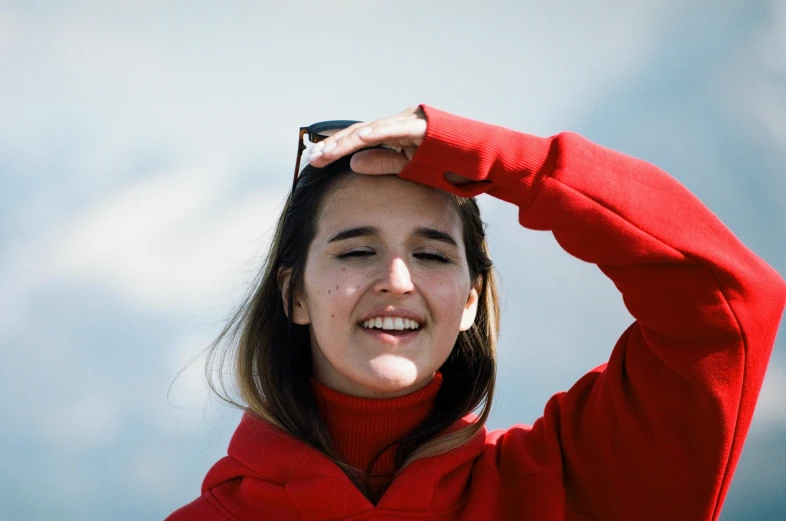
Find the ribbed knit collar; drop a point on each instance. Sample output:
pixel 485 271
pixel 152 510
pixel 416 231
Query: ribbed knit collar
pixel 360 427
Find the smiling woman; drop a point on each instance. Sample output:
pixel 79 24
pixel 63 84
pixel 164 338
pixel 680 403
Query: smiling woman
pixel 353 248
pixel 369 340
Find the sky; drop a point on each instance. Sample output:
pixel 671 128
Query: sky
pixel 146 148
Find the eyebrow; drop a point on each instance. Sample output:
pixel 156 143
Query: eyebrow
pixel 362 231
pixel 436 235
pixel 365 231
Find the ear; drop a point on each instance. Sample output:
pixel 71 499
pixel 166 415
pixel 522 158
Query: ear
pixel 300 311
pixel 471 309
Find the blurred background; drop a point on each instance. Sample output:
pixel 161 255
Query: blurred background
pixel 146 148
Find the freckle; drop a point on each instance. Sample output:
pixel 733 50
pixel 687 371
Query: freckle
pixel 328 292
pixel 336 288
pixel 332 315
pixel 343 269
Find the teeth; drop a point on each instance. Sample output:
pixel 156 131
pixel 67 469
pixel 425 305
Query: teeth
pixel 391 323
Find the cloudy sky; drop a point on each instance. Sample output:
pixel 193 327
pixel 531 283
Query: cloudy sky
pixel 145 150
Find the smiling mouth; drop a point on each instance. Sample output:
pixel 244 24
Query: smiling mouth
pixel 392 330
pixel 391 324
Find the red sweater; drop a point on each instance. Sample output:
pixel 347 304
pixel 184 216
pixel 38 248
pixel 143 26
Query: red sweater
pixel 361 427
pixel 654 434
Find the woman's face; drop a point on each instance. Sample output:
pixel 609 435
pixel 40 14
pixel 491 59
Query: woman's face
pixel 386 287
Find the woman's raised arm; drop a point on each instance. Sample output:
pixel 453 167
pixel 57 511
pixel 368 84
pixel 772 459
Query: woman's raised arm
pixel 656 433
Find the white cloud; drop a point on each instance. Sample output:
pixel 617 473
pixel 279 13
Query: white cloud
pixel 229 80
pixel 87 422
pixel 770 411
pixel 189 399
pixel 163 241
pixel 171 242
pixel 8 32
pixel 754 94
pixel 72 485
pixel 153 473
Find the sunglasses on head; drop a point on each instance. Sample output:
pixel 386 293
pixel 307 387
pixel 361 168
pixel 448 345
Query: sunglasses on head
pixel 316 133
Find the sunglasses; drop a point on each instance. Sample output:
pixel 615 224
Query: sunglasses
pixel 316 133
pixel 322 130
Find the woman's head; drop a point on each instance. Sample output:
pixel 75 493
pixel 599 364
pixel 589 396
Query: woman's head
pixel 351 251
pixel 386 253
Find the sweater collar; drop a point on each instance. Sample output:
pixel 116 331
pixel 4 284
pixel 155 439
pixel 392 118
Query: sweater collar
pixel 267 471
pixel 361 427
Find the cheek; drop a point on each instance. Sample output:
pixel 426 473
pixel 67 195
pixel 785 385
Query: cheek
pixel 449 295
pixel 332 293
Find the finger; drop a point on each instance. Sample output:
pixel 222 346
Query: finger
pixel 344 131
pixel 355 137
pixel 315 156
pixel 405 132
pixel 401 115
pixel 352 128
pixel 402 132
pixel 377 162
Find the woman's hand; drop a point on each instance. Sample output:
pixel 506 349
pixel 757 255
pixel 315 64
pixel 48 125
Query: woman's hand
pixel 404 131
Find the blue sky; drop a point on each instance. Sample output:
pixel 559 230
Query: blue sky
pixel 145 150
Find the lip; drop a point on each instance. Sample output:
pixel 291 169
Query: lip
pixel 392 311
pixel 396 339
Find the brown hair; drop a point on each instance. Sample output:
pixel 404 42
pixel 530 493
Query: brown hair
pixel 272 356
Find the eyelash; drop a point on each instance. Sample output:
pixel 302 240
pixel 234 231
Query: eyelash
pixel 433 257
pixel 357 254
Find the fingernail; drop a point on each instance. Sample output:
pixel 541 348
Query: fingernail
pixel 316 150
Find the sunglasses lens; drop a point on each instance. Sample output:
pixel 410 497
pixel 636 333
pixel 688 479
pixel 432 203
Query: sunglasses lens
pixel 317 137
pixel 316 133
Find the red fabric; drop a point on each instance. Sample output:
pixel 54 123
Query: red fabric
pixel 654 434
pixel 361 427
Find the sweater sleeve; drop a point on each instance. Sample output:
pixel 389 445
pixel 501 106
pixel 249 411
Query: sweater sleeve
pixel 657 431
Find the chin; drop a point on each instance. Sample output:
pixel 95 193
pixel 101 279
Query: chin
pixel 393 375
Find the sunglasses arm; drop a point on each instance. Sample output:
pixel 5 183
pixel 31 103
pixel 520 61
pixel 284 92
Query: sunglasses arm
pixel 301 146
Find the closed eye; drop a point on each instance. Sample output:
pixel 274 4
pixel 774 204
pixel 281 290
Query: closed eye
pixel 432 257
pixel 356 254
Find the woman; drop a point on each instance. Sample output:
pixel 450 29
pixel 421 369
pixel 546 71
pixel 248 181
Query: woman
pixel 370 339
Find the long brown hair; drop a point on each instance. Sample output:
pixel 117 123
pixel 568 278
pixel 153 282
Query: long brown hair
pixel 272 355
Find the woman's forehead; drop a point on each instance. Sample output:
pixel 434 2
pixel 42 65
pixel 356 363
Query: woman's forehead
pixel 387 201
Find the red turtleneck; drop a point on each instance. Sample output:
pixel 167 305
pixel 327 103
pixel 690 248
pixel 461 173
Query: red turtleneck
pixel 360 427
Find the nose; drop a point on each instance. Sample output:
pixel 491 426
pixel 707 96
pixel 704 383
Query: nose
pixel 396 279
